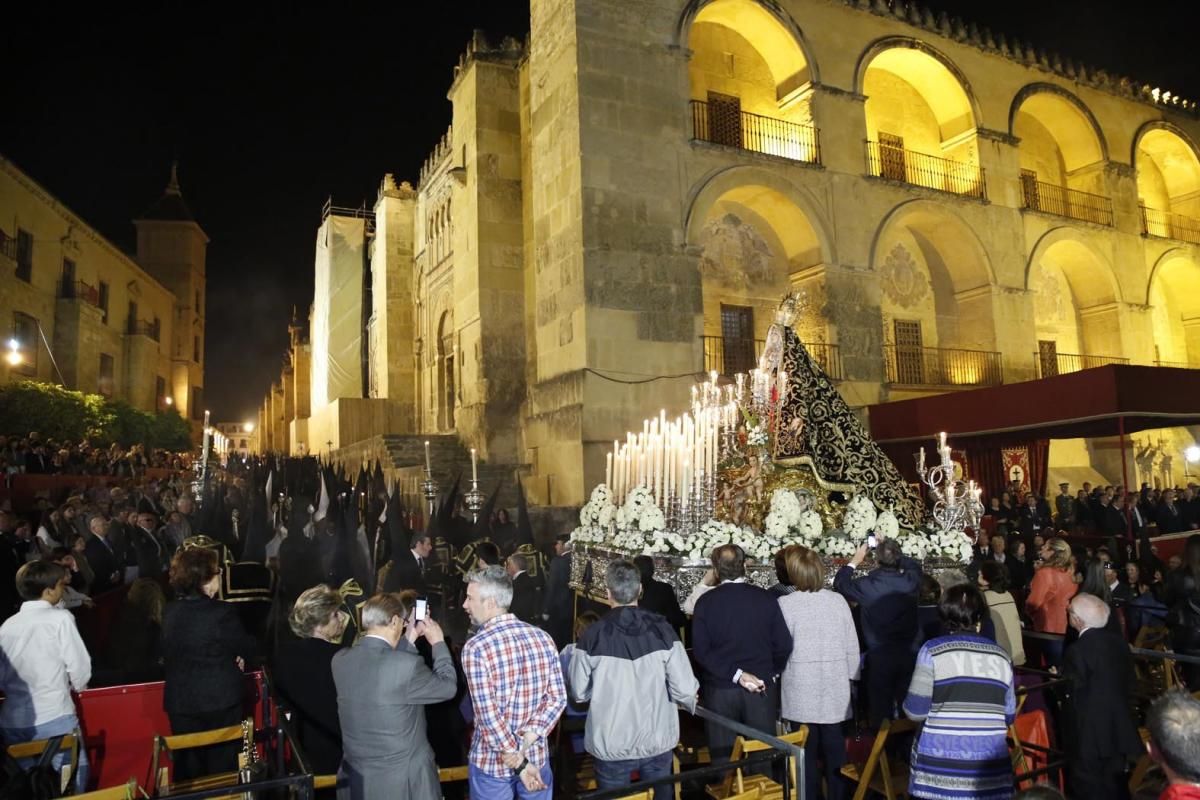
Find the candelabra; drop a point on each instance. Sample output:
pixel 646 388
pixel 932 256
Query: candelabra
pixel 956 503
pixel 474 500
pixel 429 489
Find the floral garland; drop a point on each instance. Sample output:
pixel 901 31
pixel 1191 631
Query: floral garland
pixel 859 517
pixel 924 543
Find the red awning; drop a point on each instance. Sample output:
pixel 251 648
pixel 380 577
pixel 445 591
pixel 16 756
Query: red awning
pixel 1085 404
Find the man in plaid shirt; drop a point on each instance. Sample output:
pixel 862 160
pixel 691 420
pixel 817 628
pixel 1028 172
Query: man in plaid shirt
pixel 517 692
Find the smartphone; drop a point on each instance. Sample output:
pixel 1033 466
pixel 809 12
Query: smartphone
pixel 422 607
pixel 871 540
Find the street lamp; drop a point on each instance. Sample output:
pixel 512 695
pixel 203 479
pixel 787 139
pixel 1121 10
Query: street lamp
pixel 169 400
pixel 13 357
pixel 248 427
pixel 1191 456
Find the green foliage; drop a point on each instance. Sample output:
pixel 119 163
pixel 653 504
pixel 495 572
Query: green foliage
pixel 63 414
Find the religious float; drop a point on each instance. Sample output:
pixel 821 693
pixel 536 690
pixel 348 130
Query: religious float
pixel 764 460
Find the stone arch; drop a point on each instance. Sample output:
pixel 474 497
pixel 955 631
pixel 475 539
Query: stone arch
pixel 937 80
pixel 1077 301
pixel 1173 294
pixel 1043 115
pixel 935 274
pixel 1167 163
pixel 708 190
pixel 756 237
pixel 765 23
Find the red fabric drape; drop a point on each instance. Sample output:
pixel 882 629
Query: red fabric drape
pixel 986 466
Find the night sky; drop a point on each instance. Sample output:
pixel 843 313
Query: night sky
pixel 270 110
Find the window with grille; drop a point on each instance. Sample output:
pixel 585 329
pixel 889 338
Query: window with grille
pixel 68 278
pixel 24 256
pixel 891 157
pixel 910 364
pixel 25 334
pixel 1048 358
pixel 737 339
pixel 725 119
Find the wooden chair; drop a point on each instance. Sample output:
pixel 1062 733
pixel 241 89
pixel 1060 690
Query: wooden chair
pixel 877 773
pixel 188 741
pixel 770 789
pixel 34 749
pixel 126 791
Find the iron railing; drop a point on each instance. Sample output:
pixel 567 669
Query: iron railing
pixel 730 356
pixel 1064 202
pixel 1176 364
pixel 921 169
pixel 1061 363
pixel 141 327
pixel 78 290
pixel 941 366
pixel 1167 225
pixel 758 134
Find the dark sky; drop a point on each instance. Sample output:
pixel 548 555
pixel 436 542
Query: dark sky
pixel 271 109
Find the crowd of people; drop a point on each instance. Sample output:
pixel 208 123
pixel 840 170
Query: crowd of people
pixel 378 690
pixel 34 455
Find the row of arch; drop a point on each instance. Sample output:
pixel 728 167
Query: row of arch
pixel 759 235
pixel 438 230
pixel 754 52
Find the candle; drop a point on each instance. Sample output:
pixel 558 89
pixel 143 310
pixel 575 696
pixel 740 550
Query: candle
pixel 428 465
pixel 608 475
pixel 942 439
pixel 921 462
pixel 474 467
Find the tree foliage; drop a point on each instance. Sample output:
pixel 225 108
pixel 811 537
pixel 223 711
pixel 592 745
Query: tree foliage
pixel 63 414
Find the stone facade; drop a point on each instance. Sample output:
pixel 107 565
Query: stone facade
pixel 131 328
pixel 620 201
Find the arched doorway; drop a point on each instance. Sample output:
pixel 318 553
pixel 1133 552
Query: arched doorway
pixel 446 377
pixel 749 76
pixel 1076 305
pixel 1175 311
pixel 1168 183
pixel 935 297
pixel 757 239
pixel 921 118
pixel 1062 155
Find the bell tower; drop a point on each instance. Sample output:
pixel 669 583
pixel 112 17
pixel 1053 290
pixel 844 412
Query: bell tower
pixel 172 247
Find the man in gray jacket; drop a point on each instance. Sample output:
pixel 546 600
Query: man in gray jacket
pixel 382 687
pixel 633 668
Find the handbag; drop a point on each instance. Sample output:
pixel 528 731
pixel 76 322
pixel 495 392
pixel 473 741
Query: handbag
pixel 39 782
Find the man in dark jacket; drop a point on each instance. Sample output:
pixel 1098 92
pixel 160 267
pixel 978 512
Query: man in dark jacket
pixel 1099 732
pixel 106 559
pixel 633 669
pixel 887 601
pixel 558 608
pixel 410 566
pixel 657 596
pixel 742 644
pixel 524 598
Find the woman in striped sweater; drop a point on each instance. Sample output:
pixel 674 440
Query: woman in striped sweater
pixel 962 689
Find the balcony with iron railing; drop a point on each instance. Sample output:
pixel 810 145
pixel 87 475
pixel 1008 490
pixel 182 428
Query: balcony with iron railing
pixel 727 356
pixel 942 366
pixel 756 133
pixel 78 290
pixel 931 172
pixel 1049 365
pixel 141 327
pixel 1060 201
pixel 1174 364
pixel 1168 225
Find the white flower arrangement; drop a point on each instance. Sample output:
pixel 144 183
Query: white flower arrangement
pixel 925 544
pixel 757 436
pixel 810 528
pixel 886 525
pixel 640 513
pixel 598 510
pixel 836 546
pixel 859 517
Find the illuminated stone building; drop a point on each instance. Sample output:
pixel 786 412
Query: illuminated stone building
pixel 94 318
pixel 620 202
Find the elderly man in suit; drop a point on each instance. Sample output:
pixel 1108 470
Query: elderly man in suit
pixel 1099 731
pixel 382 685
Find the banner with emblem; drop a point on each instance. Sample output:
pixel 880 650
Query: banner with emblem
pixel 1016 466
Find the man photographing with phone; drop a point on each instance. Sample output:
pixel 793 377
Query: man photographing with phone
pixel 887 600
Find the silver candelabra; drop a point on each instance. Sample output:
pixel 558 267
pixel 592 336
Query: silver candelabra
pixel 474 500
pixel 956 505
pixel 429 489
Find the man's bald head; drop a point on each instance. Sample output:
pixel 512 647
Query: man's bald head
pixel 1088 611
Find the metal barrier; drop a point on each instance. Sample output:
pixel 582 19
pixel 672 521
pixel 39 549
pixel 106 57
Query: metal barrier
pixel 780 750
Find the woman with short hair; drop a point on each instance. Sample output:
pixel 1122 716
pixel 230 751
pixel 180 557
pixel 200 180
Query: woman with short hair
pixel 816 681
pixel 204 651
pixel 304 675
pixel 993 580
pixel 962 690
